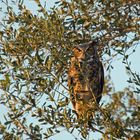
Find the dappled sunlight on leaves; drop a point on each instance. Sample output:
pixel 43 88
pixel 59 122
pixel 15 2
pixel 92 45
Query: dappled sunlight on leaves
pixel 35 52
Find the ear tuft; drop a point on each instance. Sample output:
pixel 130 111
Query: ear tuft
pixel 93 42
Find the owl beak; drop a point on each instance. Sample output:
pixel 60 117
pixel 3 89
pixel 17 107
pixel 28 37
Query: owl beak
pixel 80 64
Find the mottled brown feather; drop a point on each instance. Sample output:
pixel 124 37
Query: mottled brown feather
pixel 85 79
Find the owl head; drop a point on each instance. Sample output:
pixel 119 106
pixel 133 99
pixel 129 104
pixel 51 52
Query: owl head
pixel 85 51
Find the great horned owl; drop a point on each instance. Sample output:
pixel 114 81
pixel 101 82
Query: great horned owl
pixel 85 79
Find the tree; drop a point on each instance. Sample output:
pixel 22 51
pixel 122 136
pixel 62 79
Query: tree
pixel 35 50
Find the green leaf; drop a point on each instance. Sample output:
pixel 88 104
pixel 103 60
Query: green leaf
pixel 8 122
pixel 80 21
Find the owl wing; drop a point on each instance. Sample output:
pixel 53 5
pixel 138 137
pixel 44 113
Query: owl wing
pixel 101 82
pixel 101 77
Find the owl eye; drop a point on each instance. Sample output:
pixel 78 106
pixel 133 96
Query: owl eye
pixel 78 50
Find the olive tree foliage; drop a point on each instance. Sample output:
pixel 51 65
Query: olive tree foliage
pixel 35 51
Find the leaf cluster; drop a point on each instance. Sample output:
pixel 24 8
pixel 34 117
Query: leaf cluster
pixel 35 51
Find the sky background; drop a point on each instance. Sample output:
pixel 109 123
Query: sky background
pixel 118 74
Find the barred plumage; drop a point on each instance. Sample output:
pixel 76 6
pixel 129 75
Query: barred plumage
pixel 85 79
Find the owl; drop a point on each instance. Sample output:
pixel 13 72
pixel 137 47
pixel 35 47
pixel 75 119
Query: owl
pixel 85 79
